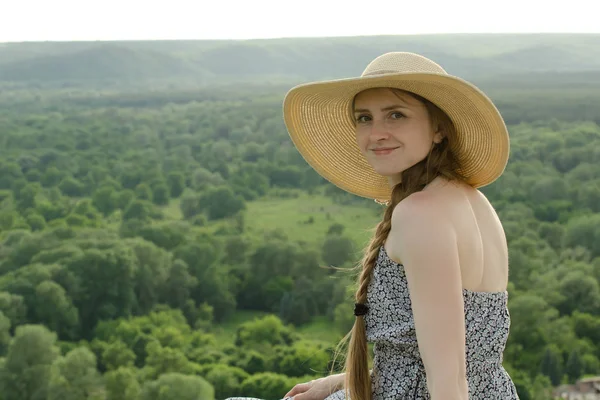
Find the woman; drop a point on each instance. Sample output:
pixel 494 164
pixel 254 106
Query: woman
pixel 432 291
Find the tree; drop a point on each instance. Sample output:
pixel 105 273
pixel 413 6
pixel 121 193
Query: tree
pixel 221 202
pixel 190 204
pixel 584 231
pixel 4 334
pixel 337 250
pixel 541 388
pixel 266 385
pixel 27 197
pixel 179 285
pixel 163 360
pixel 302 358
pixel 54 309
pixel 52 177
pixel 122 384
pixel 152 268
pixel 138 209
pixel 551 366
pixel 176 183
pixel 36 222
pixel 226 380
pixel 288 176
pixel 586 326
pixel 160 194
pixel 336 229
pixel 9 173
pixel 574 368
pixel 143 192
pixel 27 367
pixel 95 270
pixel 175 386
pixel 14 308
pixel 104 199
pixel 71 187
pixel 117 355
pixel 581 292
pixel 343 316
pixel 267 330
pixel 124 198
pixel 530 319
pixel 203 178
pixel 74 377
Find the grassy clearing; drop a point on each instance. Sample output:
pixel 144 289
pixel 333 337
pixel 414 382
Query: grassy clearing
pixel 308 217
pixel 305 218
pixel 172 210
pixel 321 328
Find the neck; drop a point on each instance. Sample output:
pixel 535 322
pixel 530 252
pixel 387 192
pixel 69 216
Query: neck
pixel 394 180
pixel 436 182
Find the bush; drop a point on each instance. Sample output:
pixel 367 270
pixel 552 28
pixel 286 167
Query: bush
pixel 175 386
pixel 226 380
pixel 266 385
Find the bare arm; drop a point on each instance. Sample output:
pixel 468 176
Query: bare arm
pixel 425 241
pixel 317 389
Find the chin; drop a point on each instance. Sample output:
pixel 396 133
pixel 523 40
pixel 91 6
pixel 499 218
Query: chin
pixel 392 177
pixel 388 172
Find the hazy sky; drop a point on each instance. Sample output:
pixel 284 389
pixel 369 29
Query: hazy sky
pixel 26 20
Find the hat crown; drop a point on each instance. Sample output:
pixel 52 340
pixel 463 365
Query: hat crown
pixel 402 62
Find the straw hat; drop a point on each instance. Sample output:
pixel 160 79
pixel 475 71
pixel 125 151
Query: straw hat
pixel 319 119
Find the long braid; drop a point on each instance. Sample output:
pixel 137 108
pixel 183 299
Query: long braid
pixel 357 359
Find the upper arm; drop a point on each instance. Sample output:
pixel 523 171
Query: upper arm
pixel 425 241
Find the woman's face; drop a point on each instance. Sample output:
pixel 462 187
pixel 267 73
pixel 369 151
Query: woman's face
pixel 393 131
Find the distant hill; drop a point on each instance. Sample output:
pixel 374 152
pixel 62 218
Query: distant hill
pixel 471 56
pixel 104 61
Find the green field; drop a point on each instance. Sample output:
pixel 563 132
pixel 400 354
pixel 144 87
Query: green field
pixel 308 217
pixel 320 328
pixel 305 218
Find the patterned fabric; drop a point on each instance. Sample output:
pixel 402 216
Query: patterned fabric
pixel 398 371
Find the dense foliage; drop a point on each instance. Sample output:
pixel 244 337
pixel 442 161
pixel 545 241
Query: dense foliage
pixel 141 233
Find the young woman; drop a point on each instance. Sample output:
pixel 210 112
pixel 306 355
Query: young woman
pixel 432 291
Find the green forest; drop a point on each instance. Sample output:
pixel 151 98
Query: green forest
pixel 162 239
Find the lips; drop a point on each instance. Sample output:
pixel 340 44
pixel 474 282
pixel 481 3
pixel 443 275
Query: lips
pixel 383 151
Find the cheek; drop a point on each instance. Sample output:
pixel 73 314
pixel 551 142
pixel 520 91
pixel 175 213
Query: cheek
pixel 416 137
pixel 362 140
pixel 420 146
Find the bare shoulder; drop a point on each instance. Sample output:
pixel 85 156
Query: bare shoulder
pixel 419 208
pixel 417 220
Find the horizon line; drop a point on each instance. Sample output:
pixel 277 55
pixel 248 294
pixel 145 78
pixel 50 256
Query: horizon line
pixel 33 41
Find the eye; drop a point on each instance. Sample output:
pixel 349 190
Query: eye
pixel 361 119
pixel 397 115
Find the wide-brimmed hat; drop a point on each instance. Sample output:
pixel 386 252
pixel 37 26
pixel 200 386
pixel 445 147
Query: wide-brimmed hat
pixel 319 119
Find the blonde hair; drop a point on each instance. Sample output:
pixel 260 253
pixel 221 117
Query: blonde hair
pixel 439 162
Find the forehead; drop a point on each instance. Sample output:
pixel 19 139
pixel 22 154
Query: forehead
pixel 384 96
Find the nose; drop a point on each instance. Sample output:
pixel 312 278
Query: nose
pixel 379 131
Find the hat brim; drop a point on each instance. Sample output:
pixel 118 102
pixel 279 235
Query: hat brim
pixel 318 117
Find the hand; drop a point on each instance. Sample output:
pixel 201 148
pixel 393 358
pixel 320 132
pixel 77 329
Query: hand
pixel 318 389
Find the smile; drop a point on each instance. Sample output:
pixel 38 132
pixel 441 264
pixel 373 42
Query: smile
pixel 383 152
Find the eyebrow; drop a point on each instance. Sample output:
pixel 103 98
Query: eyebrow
pixel 388 108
